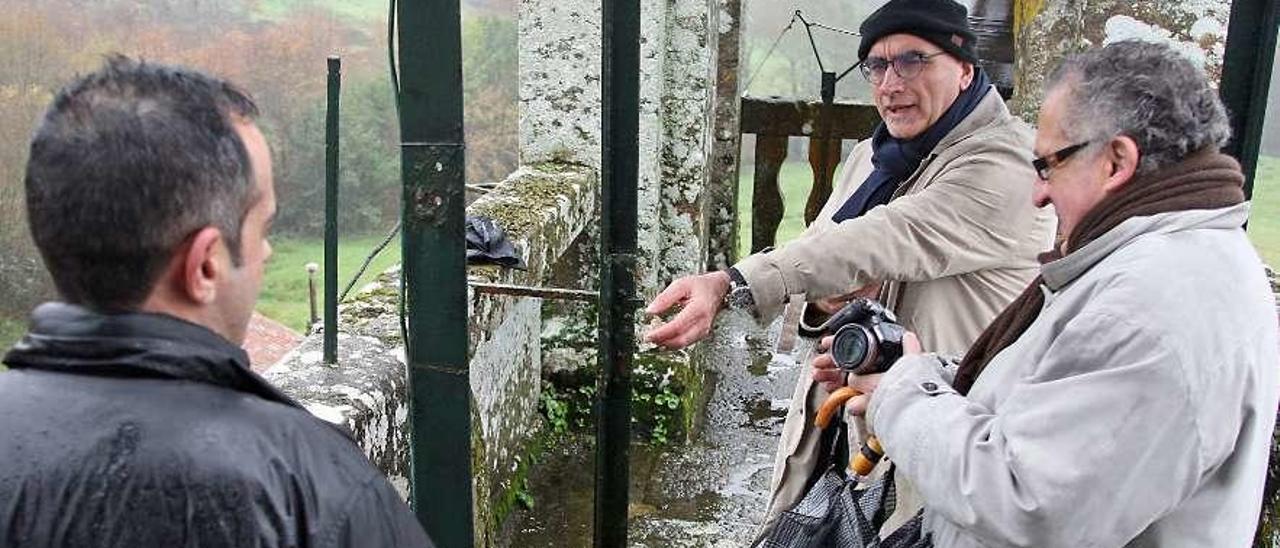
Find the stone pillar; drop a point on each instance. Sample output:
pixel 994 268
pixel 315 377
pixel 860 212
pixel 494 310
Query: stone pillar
pixel 1046 30
pixel 560 81
pixel 677 66
pixel 653 62
pixel 726 143
pixel 686 115
pixel 560 115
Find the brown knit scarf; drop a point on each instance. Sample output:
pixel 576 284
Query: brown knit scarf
pixel 1204 180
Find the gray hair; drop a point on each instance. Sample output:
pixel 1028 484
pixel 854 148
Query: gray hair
pixel 1146 91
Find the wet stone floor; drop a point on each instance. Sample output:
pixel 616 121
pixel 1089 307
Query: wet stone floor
pixel 710 491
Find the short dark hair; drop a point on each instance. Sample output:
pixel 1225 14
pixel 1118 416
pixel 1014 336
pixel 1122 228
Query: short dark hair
pixel 127 163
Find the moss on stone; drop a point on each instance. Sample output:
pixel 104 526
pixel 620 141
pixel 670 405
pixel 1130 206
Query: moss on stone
pixel 517 490
pixel 524 201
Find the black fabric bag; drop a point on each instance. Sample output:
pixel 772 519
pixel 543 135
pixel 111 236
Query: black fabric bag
pixel 487 243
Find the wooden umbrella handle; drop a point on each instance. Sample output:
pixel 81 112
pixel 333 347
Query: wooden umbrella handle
pixel 866 458
pixel 832 404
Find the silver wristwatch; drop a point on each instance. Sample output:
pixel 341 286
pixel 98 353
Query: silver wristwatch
pixel 739 296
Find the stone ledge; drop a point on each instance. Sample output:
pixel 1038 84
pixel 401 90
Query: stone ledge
pixel 369 400
pixel 543 209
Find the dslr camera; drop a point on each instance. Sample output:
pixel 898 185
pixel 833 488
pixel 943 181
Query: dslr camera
pixel 868 338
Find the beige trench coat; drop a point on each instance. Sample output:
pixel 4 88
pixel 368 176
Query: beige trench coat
pixel 957 243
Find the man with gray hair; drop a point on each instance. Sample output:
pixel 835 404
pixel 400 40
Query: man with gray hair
pixel 1128 396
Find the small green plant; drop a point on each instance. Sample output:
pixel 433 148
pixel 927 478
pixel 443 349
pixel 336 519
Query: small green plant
pixel 667 399
pixel 659 434
pixel 555 410
pixel 523 496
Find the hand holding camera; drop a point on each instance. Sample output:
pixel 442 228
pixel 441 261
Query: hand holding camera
pixel 865 337
pixel 859 341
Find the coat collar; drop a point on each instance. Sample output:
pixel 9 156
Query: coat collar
pixel 72 339
pixel 1061 272
pixel 990 110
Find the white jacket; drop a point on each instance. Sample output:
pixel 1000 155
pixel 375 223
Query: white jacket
pixel 1136 410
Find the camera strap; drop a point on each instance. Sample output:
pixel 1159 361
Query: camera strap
pixel 834 456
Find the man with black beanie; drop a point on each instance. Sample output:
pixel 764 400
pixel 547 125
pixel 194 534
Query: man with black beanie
pixel 931 215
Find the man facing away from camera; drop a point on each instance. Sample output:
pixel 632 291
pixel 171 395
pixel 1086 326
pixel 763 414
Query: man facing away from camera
pixel 131 417
pixel 1128 396
pixel 932 215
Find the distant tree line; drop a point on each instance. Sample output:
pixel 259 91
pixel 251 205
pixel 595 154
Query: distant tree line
pixel 280 59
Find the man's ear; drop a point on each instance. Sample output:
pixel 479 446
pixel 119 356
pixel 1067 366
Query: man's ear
pixel 200 268
pixel 1123 154
pixel 966 75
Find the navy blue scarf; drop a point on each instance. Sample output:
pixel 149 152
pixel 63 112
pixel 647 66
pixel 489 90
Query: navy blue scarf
pixel 894 160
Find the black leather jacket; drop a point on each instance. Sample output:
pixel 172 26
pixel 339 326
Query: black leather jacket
pixel 144 430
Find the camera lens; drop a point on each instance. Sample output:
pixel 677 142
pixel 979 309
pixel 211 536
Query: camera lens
pixel 850 346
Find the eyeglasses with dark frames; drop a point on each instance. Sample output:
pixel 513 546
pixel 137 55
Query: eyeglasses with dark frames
pixel 1046 163
pixel 907 65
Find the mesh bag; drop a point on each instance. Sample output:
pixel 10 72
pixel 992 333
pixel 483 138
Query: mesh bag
pixel 834 513
pixel 838 513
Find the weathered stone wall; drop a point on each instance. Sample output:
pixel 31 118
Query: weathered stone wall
pixel 1047 30
pixel 686 121
pixel 544 209
pixel 559 81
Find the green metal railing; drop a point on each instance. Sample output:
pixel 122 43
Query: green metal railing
pixel 434 260
pixel 1246 77
pixel 331 212
pixel 620 92
pixel 429 98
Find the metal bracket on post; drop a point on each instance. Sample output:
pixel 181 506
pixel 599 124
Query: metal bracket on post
pixel 435 161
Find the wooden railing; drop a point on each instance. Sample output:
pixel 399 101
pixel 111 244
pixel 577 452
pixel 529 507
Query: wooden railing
pixel 773 121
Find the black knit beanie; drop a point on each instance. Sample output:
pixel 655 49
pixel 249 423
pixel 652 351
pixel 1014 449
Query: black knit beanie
pixel 944 23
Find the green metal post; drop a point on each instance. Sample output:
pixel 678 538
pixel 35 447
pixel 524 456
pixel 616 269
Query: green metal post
pixel 1246 77
pixel 434 254
pixel 331 213
pixel 619 172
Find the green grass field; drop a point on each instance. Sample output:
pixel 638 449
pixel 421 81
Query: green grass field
pixel 284 287
pixel 11 329
pixel 796 178
pixel 368 10
pixel 1264 219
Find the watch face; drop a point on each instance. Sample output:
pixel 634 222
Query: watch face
pixel 740 297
